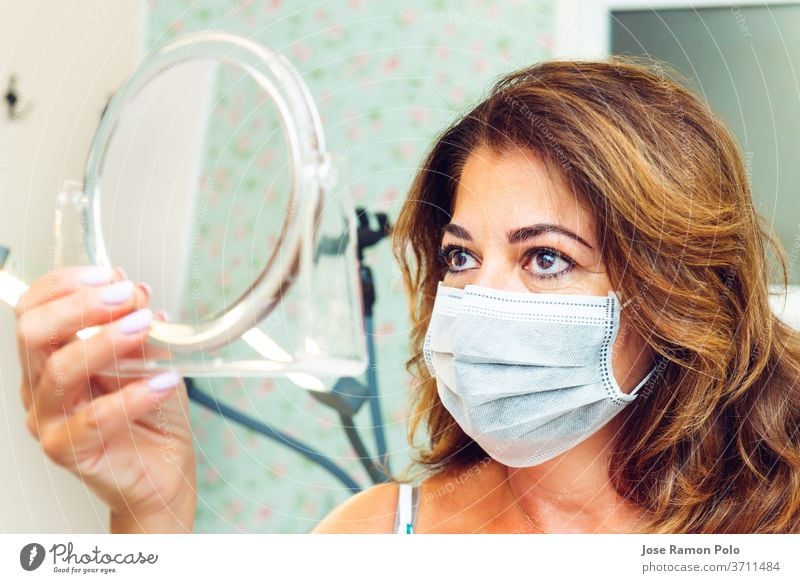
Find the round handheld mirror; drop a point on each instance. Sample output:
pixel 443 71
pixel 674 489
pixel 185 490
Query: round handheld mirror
pixel 208 178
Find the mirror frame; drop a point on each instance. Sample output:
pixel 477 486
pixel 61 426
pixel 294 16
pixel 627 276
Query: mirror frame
pixel 311 173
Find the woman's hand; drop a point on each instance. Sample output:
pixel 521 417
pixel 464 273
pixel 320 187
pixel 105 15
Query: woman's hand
pixel 128 439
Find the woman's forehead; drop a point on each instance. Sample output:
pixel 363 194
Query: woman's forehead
pixel 516 188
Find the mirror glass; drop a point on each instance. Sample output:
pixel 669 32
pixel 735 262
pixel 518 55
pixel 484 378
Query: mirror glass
pixel 195 186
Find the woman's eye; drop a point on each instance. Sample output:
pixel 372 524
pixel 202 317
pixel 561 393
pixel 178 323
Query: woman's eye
pixel 549 263
pixel 457 259
pixel 542 263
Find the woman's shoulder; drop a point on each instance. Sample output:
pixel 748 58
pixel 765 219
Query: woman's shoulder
pixel 443 496
pixel 371 511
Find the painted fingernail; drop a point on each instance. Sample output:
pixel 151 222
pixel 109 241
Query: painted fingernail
pixel 136 321
pixel 164 381
pixel 96 275
pixel 116 293
pixel 145 287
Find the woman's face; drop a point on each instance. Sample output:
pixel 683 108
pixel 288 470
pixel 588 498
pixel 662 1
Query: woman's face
pixel 517 227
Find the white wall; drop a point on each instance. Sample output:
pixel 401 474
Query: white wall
pixel 68 58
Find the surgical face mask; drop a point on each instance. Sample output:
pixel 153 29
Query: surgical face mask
pixel 526 375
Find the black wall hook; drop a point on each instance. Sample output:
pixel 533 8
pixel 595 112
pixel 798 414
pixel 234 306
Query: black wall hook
pixel 16 106
pixel 12 98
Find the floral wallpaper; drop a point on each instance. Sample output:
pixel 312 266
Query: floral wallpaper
pixel 387 77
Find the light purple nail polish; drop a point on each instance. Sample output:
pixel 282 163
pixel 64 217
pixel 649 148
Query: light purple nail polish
pixel 164 381
pixel 97 275
pixel 119 292
pixel 147 289
pixel 136 321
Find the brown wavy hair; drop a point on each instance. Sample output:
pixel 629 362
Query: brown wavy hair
pixel 713 446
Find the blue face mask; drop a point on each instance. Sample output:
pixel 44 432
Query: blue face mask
pixel 526 375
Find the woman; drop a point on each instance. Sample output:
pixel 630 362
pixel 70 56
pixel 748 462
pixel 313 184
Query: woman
pixel 592 338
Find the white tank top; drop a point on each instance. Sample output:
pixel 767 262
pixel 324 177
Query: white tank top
pixel 407 504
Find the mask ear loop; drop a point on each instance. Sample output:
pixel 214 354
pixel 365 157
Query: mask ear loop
pixel 655 367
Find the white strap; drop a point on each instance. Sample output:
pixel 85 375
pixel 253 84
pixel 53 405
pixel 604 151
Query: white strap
pixel 404 510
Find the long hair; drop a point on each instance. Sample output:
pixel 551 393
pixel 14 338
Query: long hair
pixel 713 446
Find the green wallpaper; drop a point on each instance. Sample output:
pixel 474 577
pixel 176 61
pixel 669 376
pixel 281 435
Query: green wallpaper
pixel 387 77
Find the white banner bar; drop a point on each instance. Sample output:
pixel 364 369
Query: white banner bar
pixel 484 558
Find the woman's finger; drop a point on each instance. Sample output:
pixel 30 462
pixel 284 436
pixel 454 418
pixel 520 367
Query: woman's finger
pixel 63 281
pixel 77 437
pixel 107 380
pixel 65 375
pixel 47 326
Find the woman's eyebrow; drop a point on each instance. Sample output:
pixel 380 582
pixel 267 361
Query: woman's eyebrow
pixel 519 235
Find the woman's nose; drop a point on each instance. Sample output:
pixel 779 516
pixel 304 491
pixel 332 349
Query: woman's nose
pixel 498 274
